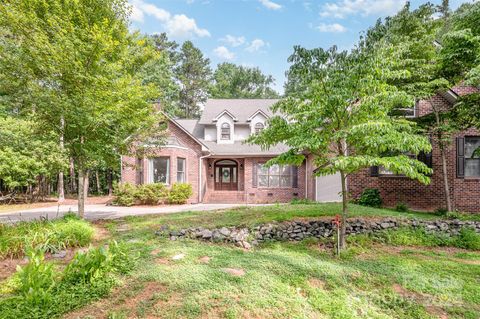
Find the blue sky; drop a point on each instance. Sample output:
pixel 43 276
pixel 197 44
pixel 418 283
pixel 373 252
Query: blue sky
pixel 262 32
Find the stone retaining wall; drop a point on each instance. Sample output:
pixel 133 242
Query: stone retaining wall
pixel 298 230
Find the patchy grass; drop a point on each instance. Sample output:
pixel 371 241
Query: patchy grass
pixel 251 215
pixel 50 236
pixel 191 279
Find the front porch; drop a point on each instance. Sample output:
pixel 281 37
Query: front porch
pixel 225 180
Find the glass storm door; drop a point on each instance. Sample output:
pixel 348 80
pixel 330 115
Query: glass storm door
pixel 226 175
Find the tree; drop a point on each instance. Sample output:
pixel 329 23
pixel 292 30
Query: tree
pixel 76 60
pixel 343 119
pixel 193 72
pixel 232 81
pixel 27 157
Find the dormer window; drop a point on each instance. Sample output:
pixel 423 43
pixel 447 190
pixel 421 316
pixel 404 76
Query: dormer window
pixel 259 127
pixel 225 133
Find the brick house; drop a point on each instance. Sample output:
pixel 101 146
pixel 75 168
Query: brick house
pixel 463 168
pixel 210 154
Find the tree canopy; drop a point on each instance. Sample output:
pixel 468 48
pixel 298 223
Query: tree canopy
pixel 232 81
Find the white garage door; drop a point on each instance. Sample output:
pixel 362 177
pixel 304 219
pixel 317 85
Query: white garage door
pixel 328 188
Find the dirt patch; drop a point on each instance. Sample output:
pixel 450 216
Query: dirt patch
pixel 119 303
pixel 204 259
pixel 316 283
pixel 101 233
pixel 424 299
pixel 162 261
pixel 236 272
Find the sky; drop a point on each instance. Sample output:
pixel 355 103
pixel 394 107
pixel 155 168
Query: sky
pixel 263 32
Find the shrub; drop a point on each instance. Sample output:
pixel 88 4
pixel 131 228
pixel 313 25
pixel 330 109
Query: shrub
pixel 441 211
pixel 370 197
pixel 124 194
pixel 85 267
pixel 452 215
pixel 49 236
pixel 401 207
pixel 179 193
pixel 468 239
pixel 36 279
pixel 151 194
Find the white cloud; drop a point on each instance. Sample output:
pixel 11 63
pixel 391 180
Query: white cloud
pixel 178 25
pixel 256 45
pixel 270 4
pixel 223 53
pixel 344 8
pixel 333 28
pixel 233 41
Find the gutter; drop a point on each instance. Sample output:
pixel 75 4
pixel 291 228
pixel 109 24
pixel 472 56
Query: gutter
pixel 200 188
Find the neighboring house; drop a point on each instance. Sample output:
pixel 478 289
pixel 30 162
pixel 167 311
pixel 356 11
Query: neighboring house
pixel 211 155
pixel 463 169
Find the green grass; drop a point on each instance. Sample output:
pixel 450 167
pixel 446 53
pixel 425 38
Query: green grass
pixel 377 277
pixel 252 215
pixel 49 235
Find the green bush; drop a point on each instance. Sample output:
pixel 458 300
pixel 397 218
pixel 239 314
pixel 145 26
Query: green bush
pixel 49 236
pixel 179 193
pixel 124 194
pixel 302 201
pixel 151 194
pixel 89 276
pixel 370 197
pixel 401 207
pixel 468 239
pixel 36 279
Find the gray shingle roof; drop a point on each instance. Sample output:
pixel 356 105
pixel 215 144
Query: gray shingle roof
pixel 192 127
pixel 242 109
pixel 238 148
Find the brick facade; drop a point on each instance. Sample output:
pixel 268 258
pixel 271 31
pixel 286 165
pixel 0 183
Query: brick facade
pixel 191 150
pixel 465 192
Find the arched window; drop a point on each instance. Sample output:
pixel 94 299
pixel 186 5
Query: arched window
pixel 259 127
pixel 225 133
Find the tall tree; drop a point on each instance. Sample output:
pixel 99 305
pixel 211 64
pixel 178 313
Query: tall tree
pixel 343 119
pixel 409 37
pixel 76 60
pixel 194 74
pixel 232 81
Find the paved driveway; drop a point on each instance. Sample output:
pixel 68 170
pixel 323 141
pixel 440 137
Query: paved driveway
pixel 96 212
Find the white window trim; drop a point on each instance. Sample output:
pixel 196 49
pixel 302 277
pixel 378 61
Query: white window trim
pixel 184 170
pixel 150 170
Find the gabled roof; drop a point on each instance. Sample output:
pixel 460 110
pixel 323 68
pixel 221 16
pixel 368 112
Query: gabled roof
pixel 225 112
pixel 241 109
pixel 255 114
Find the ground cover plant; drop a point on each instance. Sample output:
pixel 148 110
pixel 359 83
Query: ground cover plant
pixel 394 274
pixel 51 236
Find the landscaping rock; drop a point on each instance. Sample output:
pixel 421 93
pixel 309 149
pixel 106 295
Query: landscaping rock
pixel 60 254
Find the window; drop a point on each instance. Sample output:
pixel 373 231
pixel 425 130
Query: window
pixel 259 127
pixel 472 156
pixel 275 176
pixel 160 170
pixel 180 170
pixel 225 132
pixel 425 158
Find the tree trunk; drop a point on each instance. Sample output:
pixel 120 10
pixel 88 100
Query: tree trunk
pixel 60 184
pixel 343 226
pixel 97 179
pixel 73 186
pixel 81 192
pixel 109 182
pixel 444 162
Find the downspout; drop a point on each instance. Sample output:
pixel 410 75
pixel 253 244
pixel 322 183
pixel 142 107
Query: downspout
pixel 200 188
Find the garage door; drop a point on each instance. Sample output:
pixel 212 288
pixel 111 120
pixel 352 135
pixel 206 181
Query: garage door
pixel 328 188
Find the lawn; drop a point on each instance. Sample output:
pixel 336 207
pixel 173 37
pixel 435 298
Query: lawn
pixel 192 279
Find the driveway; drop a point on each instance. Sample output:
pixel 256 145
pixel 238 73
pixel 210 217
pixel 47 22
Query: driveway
pixel 102 211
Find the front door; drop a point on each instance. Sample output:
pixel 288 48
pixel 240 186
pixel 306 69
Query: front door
pixel 226 178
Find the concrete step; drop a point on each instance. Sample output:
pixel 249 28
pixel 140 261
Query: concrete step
pixel 225 197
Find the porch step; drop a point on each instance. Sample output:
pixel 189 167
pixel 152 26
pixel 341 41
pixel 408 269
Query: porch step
pixel 224 197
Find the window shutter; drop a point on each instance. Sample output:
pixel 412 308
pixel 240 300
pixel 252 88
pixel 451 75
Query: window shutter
pixel 254 174
pixel 294 176
pixel 374 171
pixel 460 157
pixel 425 158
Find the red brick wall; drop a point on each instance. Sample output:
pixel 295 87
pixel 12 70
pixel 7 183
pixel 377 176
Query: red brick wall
pixel 465 192
pixel 190 150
